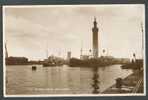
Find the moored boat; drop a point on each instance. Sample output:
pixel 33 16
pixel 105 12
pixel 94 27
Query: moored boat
pixel 48 64
pixel 33 67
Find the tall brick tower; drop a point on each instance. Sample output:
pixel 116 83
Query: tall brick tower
pixel 95 39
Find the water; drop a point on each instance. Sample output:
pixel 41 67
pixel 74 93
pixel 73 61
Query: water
pixel 21 79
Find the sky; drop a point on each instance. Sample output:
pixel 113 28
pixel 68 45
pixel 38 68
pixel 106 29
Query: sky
pixel 31 31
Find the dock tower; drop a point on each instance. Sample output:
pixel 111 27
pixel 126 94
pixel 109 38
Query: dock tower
pixel 95 39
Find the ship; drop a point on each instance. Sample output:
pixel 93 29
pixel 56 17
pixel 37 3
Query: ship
pixel 93 62
pixel 47 64
pixel 53 61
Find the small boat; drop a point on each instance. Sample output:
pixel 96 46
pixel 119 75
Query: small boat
pixel 33 67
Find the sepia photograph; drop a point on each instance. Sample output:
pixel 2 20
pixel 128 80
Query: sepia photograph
pixel 74 50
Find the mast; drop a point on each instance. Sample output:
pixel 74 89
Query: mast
pixel 47 50
pixel 47 53
pixel 6 51
pixel 81 51
pixel 142 39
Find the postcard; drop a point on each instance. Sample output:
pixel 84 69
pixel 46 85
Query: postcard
pixel 74 50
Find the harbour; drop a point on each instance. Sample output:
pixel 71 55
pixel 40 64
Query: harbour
pixel 85 53
pixel 73 80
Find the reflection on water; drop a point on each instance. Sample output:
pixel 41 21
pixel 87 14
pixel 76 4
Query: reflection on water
pixel 61 79
pixel 95 80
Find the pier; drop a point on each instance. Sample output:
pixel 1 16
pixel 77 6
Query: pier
pixel 131 84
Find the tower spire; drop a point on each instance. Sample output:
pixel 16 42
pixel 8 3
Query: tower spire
pixel 95 23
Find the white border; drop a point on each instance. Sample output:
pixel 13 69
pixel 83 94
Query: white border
pixel 68 95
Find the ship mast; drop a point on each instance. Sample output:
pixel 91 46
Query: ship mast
pixel 47 53
pixel 6 51
pixel 81 50
pixel 47 50
pixel 142 38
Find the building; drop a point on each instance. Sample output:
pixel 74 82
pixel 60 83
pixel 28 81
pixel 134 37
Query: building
pixel 95 39
pixel 16 61
pixel 85 54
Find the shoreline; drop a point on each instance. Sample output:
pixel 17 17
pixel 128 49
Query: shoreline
pixel 131 84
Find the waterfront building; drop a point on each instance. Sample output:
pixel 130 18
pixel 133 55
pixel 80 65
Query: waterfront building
pixel 95 39
pixel 85 54
pixel 16 60
pixel 10 60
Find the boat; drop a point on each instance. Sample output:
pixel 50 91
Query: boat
pixel 33 67
pixel 48 64
pixel 49 61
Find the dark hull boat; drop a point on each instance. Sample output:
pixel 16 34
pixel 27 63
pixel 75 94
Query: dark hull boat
pixel 52 64
pixel 33 67
pixel 49 64
pixel 74 62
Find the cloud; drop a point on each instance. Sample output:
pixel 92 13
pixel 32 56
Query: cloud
pixel 31 29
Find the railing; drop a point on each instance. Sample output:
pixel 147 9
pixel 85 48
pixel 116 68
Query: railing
pixel 137 87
